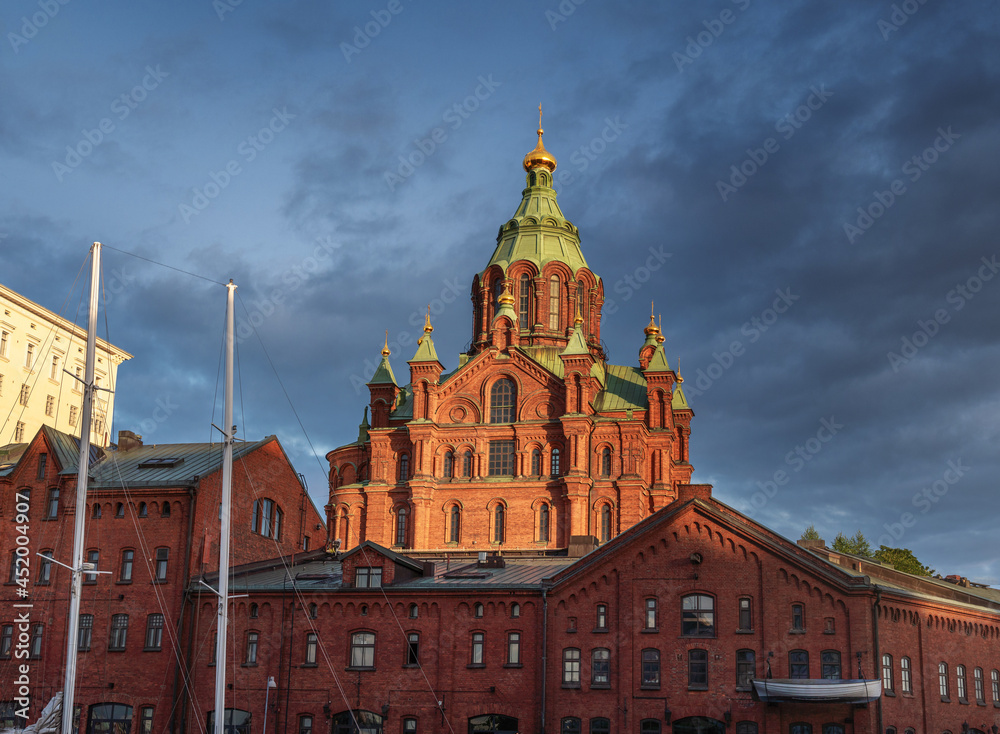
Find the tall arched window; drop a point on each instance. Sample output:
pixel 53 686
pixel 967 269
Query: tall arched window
pixel 555 462
pixel 404 467
pixel 401 526
pixel 536 463
pixel 581 299
pixel 524 301
pixel 497 292
pixel 606 462
pixel 498 522
pixel 454 524
pixel 554 303
pixel 467 464
pixel 449 465
pixel 605 523
pixel 503 395
pixel 543 523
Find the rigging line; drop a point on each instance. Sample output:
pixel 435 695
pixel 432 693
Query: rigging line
pixel 163 265
pixel 420 667
pixel 297 594
pixel 283 390
pixel 218 372
pixel 144 547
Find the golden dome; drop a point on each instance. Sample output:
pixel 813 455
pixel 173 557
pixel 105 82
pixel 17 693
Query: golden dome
pixel 385 349
pixel 506 297
pixel 539 157
pixel 652 328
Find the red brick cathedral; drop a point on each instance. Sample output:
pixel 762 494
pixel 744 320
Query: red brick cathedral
pixel 535 438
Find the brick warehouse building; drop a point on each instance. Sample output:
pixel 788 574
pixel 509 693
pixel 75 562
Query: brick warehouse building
pixel 153 523
pixel 521 549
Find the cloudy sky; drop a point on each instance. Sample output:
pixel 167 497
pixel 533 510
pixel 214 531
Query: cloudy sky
pixel 808 191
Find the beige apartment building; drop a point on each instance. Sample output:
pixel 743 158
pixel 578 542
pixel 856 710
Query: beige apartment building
pixel 42 355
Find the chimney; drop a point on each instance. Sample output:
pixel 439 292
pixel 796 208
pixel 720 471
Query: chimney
pixel 127 440
pixel 810 544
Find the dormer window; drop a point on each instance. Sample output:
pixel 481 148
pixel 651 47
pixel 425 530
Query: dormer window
pixel 162 463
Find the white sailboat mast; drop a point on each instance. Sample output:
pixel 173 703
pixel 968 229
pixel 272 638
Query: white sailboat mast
pixel 229 431
pixel 82 476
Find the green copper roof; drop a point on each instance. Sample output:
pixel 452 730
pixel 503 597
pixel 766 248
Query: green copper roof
pixel 383 374
pixel 679 402
pixel 658 363
pixel 538 232
pixel 624 390
pixel 576 344
pixel 426 351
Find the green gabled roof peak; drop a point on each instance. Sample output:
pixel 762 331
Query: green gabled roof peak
pixel 658 362
pixel 425 345
pixel 383 373
pixel 576 345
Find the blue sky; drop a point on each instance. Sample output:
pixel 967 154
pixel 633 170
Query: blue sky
pixel 806 190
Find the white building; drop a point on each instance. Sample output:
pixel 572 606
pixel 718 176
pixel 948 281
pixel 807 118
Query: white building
pixel 41 356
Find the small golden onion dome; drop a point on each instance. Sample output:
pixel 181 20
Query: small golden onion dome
pixel 659 331
pixel 539 157
pixel 652 328
pixel 385 349
pixel 506 298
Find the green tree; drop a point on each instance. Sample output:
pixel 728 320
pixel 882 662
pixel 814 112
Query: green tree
pixel 857 544
pixel 902 559
pixel 810 533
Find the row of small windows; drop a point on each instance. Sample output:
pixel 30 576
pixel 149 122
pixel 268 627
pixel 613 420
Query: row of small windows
pixel 142 510
pixel 498 524
pixel 525 300
pixel 961 680
pixel 117 635
pixel 101 718
pixel 160 562
pixel 96 511
pixel 501 462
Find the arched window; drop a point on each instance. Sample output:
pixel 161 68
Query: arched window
pixel 543 523
pixel 606 462
pixel 119 510
pixel 165 509
pixel 254 611
pixel 798 664
pixel 536 463
pixel 467 464
pixel 605 523
pixel 414 611
pixel 143 510
pixel 454 524
pixel 497 292
pixel 401 526
pixel 887 673
pixel 830 663
pixel 943 679
pixel 404 467
pixel 515 610
pixel 555 462
pixel 554 303
pixel 502 397
pixel 498 522
pixel 313 610
pixel 97 511
pixel 581 300
pixel 449 465
pixel 905 675
pixel 600 667
pixel 524 301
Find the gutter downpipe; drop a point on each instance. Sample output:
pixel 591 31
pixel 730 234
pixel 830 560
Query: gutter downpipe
pixel 291 641
pixel 877 663
pixel 545 635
